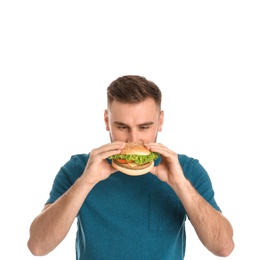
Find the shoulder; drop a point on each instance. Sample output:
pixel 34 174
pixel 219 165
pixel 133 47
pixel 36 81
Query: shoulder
pixel 79 158
pixel 192 167
pixel 187 161
pixel 74 166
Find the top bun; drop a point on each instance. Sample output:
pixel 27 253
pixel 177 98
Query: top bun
pixel 135 148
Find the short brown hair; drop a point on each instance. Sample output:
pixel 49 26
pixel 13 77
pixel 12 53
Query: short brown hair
pixel 133 89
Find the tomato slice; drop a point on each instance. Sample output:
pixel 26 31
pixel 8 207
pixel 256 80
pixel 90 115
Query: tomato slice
pixel 123 161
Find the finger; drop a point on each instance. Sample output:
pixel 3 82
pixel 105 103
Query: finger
pixel 107 150
pixel 157 147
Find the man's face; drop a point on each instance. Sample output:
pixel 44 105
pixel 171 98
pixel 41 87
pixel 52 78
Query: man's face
pixel 134 122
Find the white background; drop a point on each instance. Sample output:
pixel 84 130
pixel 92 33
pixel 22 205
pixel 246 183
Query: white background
pixel 58 57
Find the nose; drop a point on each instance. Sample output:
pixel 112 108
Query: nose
pixel 133 137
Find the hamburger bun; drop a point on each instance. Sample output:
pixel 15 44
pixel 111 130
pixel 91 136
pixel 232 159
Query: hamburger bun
pixel 133 171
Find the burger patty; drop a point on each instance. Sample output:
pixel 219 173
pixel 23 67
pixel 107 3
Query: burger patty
pixel 126 165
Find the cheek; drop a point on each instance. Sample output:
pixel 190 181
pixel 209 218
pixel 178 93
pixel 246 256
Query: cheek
pixel 149 136
pixel 117 135
pixel 152 137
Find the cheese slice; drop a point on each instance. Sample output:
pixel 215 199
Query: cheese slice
pixel 132 164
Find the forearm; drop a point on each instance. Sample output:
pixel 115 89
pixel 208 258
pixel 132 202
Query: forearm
pixel 213 229
pixel 52 225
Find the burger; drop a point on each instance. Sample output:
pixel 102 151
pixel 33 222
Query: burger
pixel 134 159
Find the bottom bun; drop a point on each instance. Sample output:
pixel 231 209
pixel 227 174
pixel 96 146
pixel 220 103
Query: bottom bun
pixel 133 172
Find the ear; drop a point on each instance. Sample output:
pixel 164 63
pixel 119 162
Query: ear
pixel 161 120
pixel 106 120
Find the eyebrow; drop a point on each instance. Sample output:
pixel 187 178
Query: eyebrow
pixel 140 125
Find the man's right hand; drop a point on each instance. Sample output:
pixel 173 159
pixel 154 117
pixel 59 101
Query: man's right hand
pixel 97 168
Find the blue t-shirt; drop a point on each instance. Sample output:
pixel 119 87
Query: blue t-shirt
pixel 131 217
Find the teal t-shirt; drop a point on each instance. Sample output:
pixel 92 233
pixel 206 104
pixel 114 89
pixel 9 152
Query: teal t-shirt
pixel 131 217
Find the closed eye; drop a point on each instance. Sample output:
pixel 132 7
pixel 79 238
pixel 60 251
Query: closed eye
pixel 142 127
pixel 145 126
pixel 121 126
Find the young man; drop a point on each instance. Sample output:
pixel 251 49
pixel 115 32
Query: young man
pixel 125 217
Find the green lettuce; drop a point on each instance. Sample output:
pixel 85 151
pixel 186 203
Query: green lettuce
pixel 138 159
